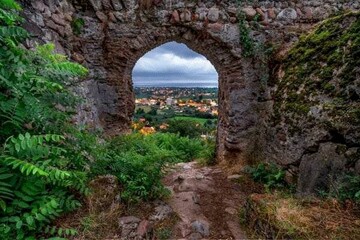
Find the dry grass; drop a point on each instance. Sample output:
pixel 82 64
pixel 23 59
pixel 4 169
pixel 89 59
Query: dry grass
pixel 98 218
pixel 303 219
pixel 102 209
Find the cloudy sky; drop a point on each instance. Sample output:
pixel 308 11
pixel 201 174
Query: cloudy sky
pixel 174 64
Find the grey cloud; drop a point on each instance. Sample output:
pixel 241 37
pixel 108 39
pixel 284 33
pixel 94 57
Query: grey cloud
pixel 178 49
pixel 170 71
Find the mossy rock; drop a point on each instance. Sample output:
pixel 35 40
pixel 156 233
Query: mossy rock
pixel 322 67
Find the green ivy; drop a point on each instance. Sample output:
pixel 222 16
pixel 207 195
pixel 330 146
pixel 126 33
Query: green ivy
pixel 246 41
pixel 77 25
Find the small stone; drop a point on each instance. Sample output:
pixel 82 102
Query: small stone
pixel 51 25
pixel 250 12
pixel 199 176
pixel 234 177
pixel 128 220
pixel 233 19
pixel 128 226
pixel 299 13
pixel 232 10
pixel 215 27
pixel 308 12
pixel 213 14
pixel 175 16
pixel 112 17
pixel 161 212
pixel 77 57
pixel 101 16
pixel 117 5
pixel 261 13
pixel 195 236
pixel 180 178
pixel 187 166
pixel 271 13
pixel 288 14
pixel 58 19
pixel 39 5
pixel 231 210
pixel 201 227
pixel 143 229
pixel 38 19
pixel 96 4
pixel 68 17
pixel 185 16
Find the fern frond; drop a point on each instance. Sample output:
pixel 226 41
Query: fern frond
pixel 13 32
pixel 9 5
pixel 24 167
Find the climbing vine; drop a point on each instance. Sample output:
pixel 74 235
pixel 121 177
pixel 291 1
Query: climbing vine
pixel 247 43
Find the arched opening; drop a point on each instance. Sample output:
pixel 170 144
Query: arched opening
pixel 238 85
pixel 176 91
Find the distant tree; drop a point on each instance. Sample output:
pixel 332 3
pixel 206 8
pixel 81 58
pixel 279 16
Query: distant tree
pixel 153 111
pixel 185 128
pixel 140 111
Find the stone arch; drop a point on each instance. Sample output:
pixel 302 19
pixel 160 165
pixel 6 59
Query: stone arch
pixel 238 85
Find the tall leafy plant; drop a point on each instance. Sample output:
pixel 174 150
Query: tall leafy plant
pixel 41 166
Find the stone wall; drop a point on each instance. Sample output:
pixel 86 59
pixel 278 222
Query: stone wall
pixel 315 129
pixel 109 36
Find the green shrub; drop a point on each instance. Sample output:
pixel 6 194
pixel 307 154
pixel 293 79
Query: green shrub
pixel 42 158
pixel 185 128
pixel 347 188
pixel 269 174
pixel 138 161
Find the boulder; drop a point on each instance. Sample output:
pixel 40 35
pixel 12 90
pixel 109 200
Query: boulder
pixel 202 227
pixel 287 15
pixel 320 170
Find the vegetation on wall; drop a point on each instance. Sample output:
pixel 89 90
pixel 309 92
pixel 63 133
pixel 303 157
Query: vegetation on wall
pixel 324 62
pixel 246 41
pixel 318 88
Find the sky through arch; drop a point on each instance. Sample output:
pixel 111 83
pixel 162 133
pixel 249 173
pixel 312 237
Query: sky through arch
pixel 174 65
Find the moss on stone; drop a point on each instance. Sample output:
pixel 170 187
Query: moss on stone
pixel 322 65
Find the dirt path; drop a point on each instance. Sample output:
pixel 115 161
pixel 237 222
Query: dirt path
pixel 206 201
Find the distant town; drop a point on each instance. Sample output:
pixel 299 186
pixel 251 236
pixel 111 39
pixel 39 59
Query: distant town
pixel 156 107
pixel 178 99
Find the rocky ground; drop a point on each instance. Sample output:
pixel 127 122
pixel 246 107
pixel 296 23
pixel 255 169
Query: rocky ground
pixel 203 204
pixel 206 202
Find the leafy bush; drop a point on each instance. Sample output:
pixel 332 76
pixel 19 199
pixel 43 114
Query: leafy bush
pixel 350 188
pixel 185 128
pixel 346 188
pixel 268 174
pixel 138 161
pixel 42 159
